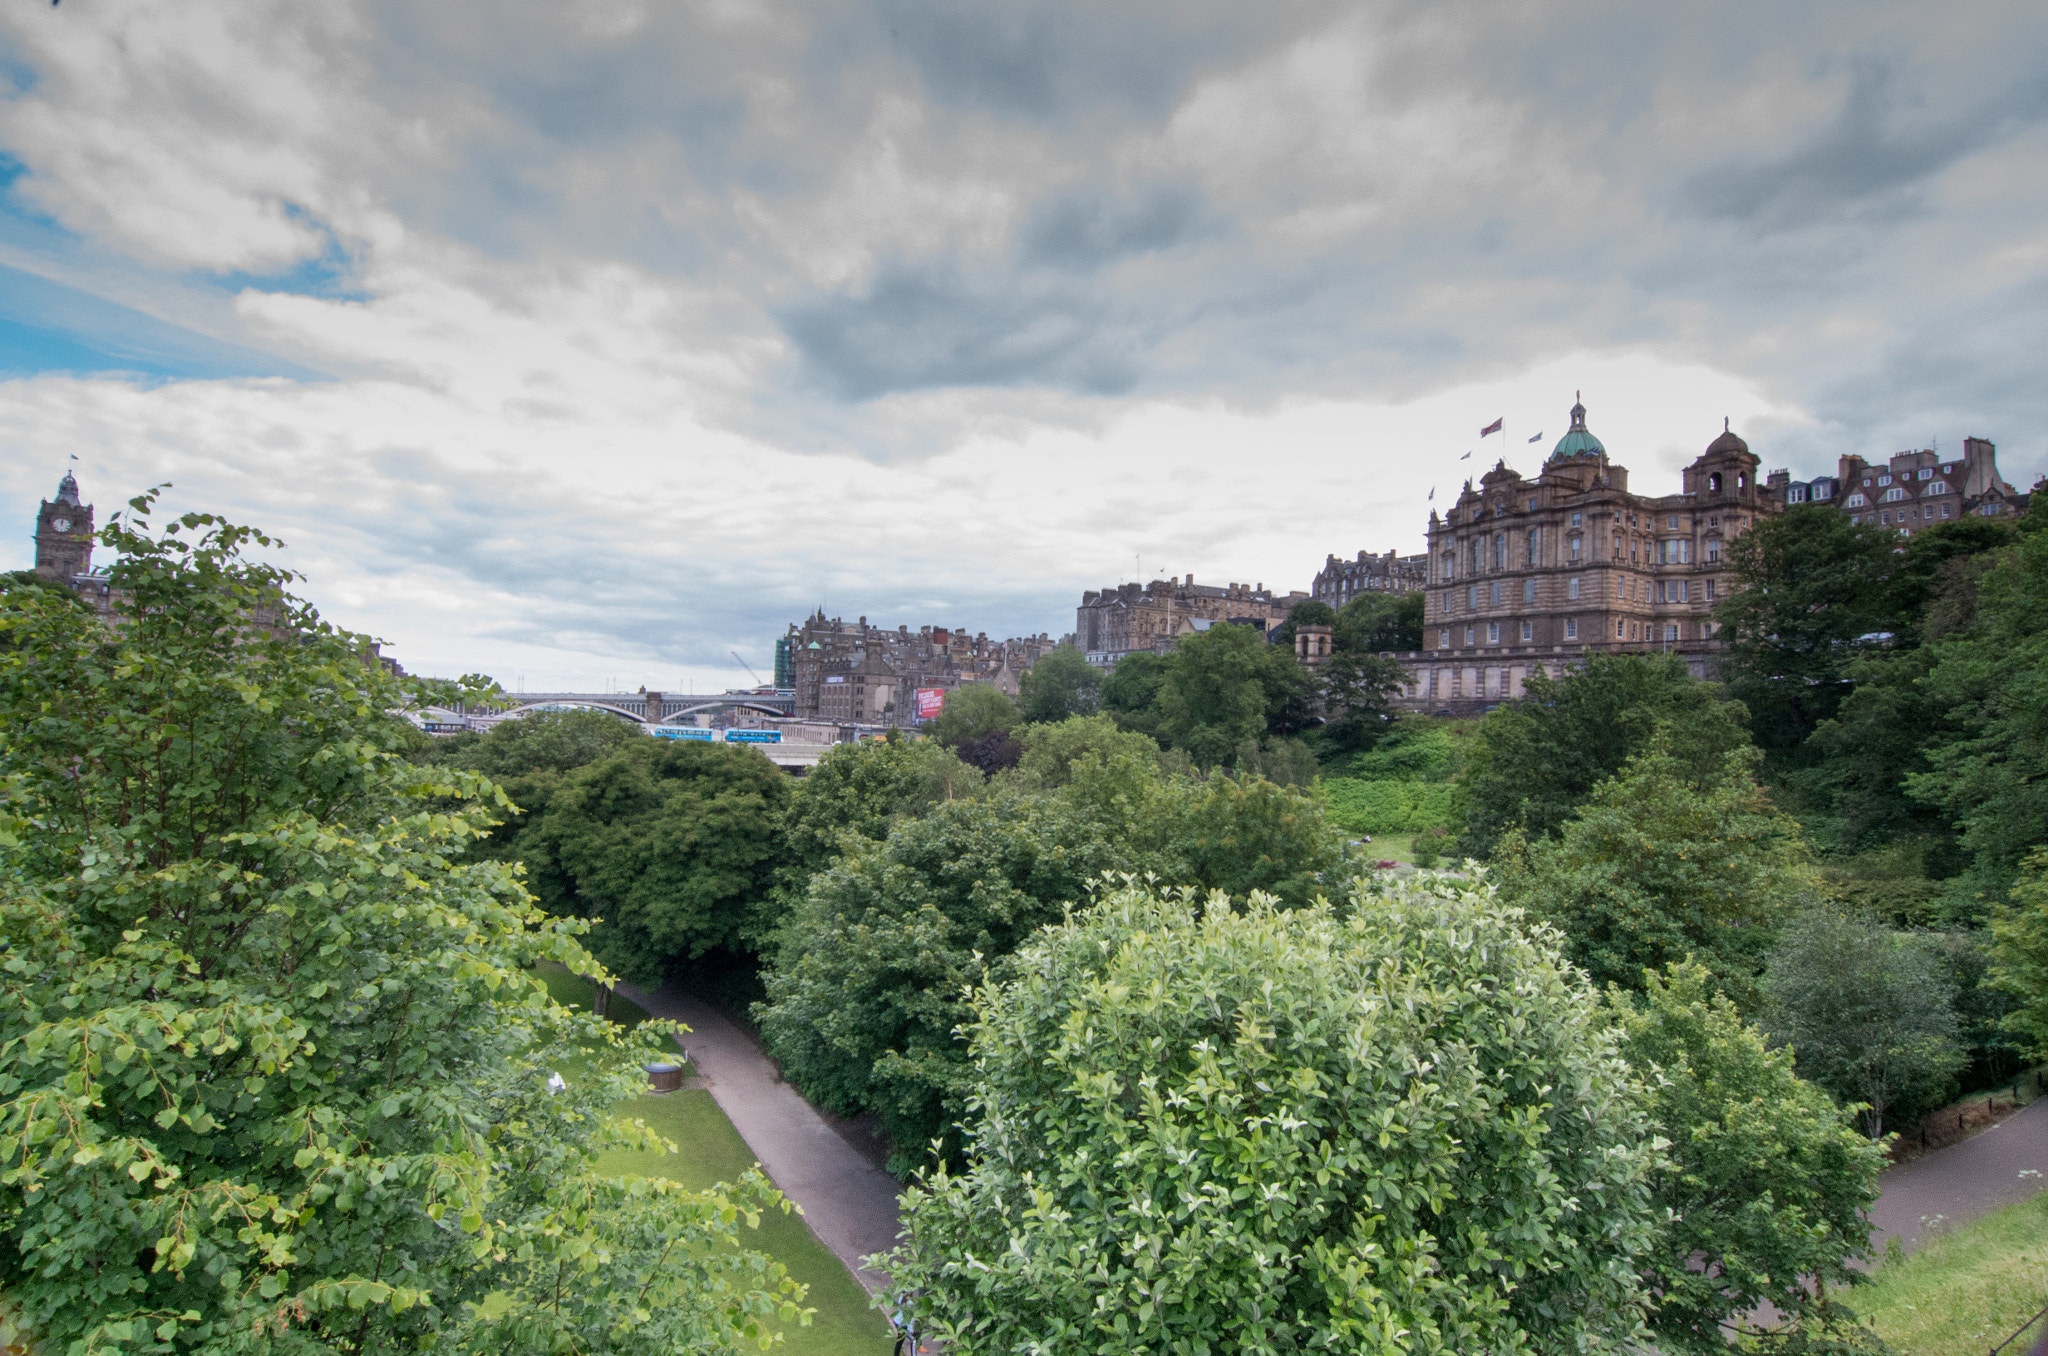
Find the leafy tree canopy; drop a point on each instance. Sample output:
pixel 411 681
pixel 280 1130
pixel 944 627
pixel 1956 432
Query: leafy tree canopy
pixel 1306 612
pixel 1866 1011
pixel 1226 685
pixel 1809 587
pixel 1130 694
pixel 1402 1128
pixel 1378 623
pixel 1061 684
pixel 1666 862
pixel 974 711
pixel 273 1074
pixel 545 741
pixel 1765 1183
pixel 1536 759
pixel 670 848
pixel 1051 751
pixel 864 984
pixel 2019 955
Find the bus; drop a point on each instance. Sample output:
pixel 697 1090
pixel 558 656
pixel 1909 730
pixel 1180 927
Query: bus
pixel 753 736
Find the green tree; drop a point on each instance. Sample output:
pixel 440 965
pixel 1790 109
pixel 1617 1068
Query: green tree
pixel 1061 684
pixel 864 985
pixel 861 789
pixel 1051 751
pixel 2019 955
pixel 669 847
pixel 1537 759
pixel 1990 771
pixel 1665 863
pixel 1766 1180
pixel 1809 587
pixel 1130 694
pixel 1262 1132
pixel 1358 692
pixel 974 711
pixel 1379 623
pixel 1866 1012
pixel 546 741
pixel 273 1075
pixel 1307 612
pixel 1226 685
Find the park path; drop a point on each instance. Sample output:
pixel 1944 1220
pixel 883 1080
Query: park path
pixel 1964 1180
pixel 848 1201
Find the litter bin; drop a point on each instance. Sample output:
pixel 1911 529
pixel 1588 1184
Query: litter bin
pixel 665 1077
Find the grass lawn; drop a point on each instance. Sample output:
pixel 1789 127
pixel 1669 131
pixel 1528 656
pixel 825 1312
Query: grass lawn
pixel 1964 1289
pixel 712 1151
pixel 574 991
pixel 1391 847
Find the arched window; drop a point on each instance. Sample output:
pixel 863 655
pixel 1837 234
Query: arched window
pixel 1714 483
pixel 1742 480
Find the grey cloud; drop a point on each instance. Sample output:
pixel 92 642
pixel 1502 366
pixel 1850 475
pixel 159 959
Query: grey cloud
pixel 1872 163
pixel 1089 228
pixel 922 326
pixel 1042 60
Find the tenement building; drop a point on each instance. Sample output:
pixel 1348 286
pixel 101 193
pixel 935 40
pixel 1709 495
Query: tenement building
pixel 1339 581
pixel 1913 491
pixel 854 674
pixel 1114 622
pixel 1528 574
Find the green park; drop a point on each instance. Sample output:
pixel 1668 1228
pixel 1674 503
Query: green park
pixel 1215 1004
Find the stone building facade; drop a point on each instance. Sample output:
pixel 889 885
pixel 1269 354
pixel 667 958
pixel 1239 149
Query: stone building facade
pixel 64 534
pixel 1914 490
pixel 1114 622
pixel 853 674
pixel 1535 574
pixel 1339 581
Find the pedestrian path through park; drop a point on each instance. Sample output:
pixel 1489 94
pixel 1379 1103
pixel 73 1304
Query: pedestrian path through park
pixel 849 1202
pixel 2005 1163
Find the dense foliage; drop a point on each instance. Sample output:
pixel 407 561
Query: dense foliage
pixel 1061 684
pixel 1765 1181
pixel 1537 759
pixel 1665 862
pixel 273 1074
pixel 865 984
pixel 1867 1012
pixel 1399 1127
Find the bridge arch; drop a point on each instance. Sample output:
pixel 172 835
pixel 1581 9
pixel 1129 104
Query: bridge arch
pixel 575 704
pixel 678 717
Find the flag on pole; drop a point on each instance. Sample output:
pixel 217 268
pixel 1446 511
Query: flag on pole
pixel 1466 457
pixel 1493 427
pixel 1537 439
pixel 1432 492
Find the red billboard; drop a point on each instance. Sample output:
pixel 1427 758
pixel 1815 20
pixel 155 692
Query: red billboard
pixel 930 701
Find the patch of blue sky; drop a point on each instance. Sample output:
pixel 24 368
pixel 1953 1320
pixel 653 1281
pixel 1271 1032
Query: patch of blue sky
pixel 49 327
pixel 330 275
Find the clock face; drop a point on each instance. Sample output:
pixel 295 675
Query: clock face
pixel 61 524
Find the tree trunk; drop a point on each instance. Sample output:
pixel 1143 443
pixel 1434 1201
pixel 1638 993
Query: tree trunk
pixel 601 1002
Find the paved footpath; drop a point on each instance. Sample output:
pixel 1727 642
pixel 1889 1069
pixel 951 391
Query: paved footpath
pixel 849 1202
pixel 1994 1167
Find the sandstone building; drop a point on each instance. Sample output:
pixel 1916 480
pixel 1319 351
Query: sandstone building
pixel 1339 581
pixel 1912 491
pixel 1114 622
pixel 1537 573
pixel 857 674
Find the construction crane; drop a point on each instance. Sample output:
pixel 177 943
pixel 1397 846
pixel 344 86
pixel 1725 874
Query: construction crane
pixel 748 667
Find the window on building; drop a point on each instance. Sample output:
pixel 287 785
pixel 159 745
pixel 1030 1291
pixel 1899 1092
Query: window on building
pixel 1824 490
pixel 1577 519
pixel 1571 628
pixel 1672 522
pixel 1710 590
pixel 1885 517
pixel 1470 632
pixel 1927 473
pixel 1443 640
pixel 1671 631
pixel 1621 630
pixel 1938 487
pixel 1572 587
pixel 1532 547
pixel 1472 597
pixel 1713 549
pixel 1528 590
pixel 1528 630
pixel 1495 598
pixel 1532 505
pixel 1893 496
pixel 1944 510
pixel 1574 543
pixel 1882 480
pixel 1493 633
pixel 1857 500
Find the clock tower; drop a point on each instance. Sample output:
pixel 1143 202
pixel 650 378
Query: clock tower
pixel 64 534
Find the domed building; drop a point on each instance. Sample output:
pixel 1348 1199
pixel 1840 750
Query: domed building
pixel 1536 574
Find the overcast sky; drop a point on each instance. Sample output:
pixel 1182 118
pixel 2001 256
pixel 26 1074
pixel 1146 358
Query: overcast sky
pixel 585 343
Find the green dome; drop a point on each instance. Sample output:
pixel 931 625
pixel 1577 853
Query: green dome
pixel 1580 442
